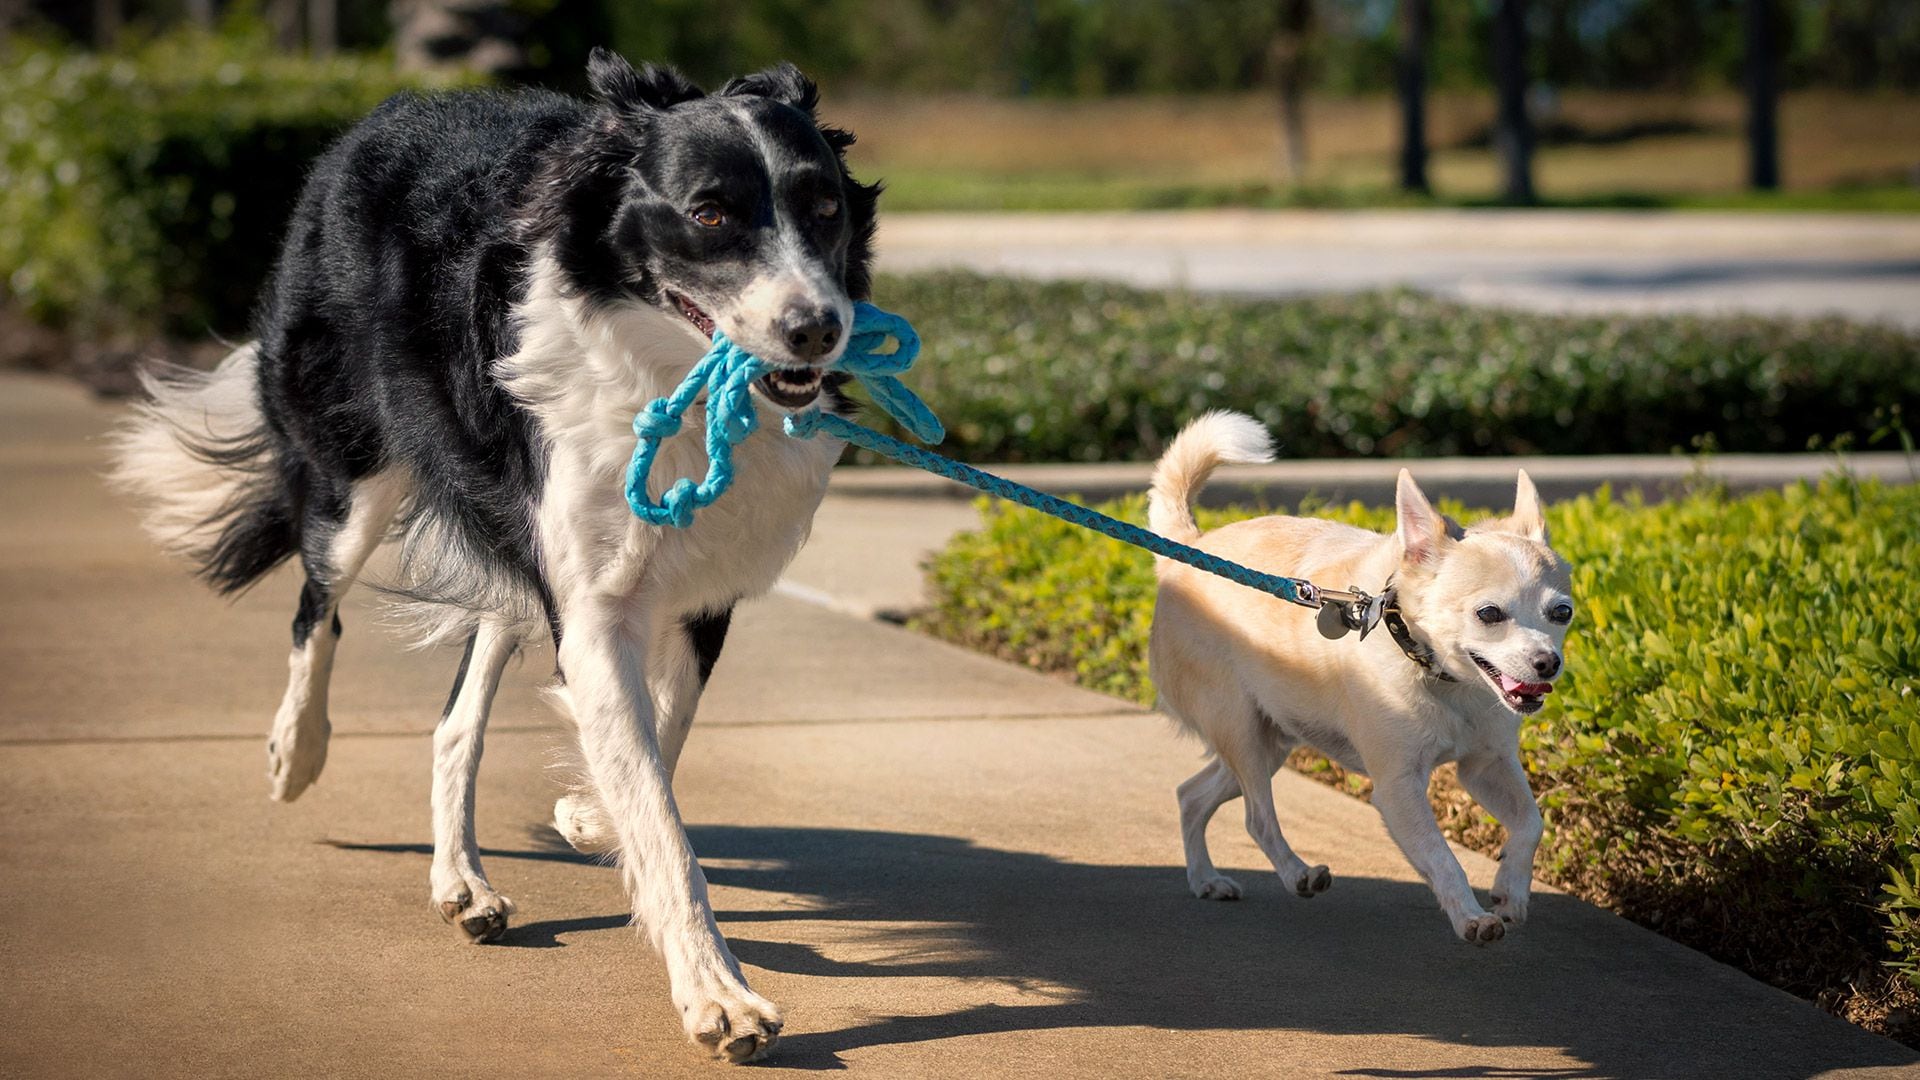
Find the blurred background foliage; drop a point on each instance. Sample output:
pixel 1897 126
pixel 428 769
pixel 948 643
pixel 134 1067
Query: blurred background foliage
pixel 1088 48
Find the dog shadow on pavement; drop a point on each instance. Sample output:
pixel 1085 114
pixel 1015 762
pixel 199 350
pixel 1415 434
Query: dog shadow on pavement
pixel 1090 946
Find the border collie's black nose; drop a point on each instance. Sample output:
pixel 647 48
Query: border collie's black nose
pixel 1545 664
pixel 810 333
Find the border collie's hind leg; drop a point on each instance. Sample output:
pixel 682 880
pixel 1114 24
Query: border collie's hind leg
pixel 460 890
pixel 335 542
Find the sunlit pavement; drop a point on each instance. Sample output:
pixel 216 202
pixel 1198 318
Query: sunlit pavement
pixel 1863 266
pixel 940 865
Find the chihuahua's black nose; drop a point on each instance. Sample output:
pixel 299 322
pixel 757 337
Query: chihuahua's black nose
pixel 1545 664
pixel 811 332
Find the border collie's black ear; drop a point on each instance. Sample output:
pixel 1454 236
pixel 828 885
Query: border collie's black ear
pixel 615 82
pixel 782 82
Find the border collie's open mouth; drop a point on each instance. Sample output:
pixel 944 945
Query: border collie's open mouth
pixel 1521 697
pixel 701 321
pixel 790 388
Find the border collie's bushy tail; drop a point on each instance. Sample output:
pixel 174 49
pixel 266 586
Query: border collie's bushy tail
pixel 1217 437
pixel 198 458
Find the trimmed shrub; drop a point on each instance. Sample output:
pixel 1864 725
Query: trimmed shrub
pixel 149 190
pixel 1025 371
pixel 1733 756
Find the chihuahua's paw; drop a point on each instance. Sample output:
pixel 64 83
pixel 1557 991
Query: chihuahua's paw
pixel 1312 882
pixel 1512 909
pixel 1481 929
pixel 1217 887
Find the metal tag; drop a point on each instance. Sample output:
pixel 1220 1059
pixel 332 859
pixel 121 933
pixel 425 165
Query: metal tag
pixel 1332 621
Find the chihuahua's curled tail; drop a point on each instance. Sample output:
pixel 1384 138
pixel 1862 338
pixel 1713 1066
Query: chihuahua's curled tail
pixel 1219 437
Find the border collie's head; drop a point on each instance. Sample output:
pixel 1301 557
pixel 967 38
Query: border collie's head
pixel 732 210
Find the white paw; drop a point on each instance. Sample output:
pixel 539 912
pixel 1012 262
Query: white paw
pixel 731 1021
pixel 296 752
pixel 1480 929
pixel 1511 907
pixel 1217 887
pixel 473 908
pixel 583 824
pixel 1313 881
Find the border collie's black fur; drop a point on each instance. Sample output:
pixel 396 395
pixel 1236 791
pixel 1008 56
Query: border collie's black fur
pixel 476 292
pixel 408 250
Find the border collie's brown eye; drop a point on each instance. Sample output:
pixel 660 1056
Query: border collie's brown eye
pixel 1561 613
pixel 827 207
pixel 709 216
pixel 1490 615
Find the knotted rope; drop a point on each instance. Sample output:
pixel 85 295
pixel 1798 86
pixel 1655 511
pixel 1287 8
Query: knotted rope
pixel 726 374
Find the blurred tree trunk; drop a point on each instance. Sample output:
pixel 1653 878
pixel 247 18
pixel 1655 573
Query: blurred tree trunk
pixel 1294 27
pixel 1763 93
pixel 479 35
pixel 1416 23
pixel 106 23
pixel 323 26
pixel 283 16
pixel 200 13
pixel 1513 132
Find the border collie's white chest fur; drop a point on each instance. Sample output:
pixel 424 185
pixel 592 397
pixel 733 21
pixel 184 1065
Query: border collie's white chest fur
pixel 584 376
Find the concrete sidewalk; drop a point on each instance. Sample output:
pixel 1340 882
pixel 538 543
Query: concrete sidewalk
pixel 938 864
pixel 1863 266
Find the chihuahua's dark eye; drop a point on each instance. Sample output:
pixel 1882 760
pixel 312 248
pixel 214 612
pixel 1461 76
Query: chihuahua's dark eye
pixel 1561 613
pixel 709 216
pixel 1490 615
pixel 827 207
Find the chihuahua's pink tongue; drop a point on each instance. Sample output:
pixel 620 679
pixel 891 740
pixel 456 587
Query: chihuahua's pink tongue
pixel 1512 685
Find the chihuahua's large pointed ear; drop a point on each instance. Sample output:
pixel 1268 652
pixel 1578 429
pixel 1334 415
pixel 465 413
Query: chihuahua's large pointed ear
pixel 782 82
pixel 1422 529
pixel 652 87
pixel 1529 517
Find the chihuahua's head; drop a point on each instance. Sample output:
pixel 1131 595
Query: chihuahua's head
pixel 1492 601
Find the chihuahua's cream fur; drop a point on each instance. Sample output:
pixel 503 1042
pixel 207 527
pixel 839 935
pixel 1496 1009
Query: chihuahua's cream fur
pixel 1252 676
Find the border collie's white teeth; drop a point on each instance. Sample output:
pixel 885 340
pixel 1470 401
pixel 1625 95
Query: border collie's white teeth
pixel 793 388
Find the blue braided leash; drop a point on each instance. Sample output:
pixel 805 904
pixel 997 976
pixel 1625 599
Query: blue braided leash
pixel 726 375
pixel 1295 590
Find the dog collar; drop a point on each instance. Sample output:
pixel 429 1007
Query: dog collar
pixel 1417 651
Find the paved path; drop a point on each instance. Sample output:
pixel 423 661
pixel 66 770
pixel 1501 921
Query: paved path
pixel 1862 266
pixel 942 866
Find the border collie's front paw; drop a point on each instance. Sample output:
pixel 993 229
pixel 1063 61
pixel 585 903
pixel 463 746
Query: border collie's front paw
pixel 733 1023
pixel 478 912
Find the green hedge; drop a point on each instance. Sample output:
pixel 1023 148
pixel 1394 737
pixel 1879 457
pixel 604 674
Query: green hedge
pixel 1022 371
pixel 1733 755
pixel 148 190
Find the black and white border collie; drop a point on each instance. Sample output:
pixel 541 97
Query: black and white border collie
pixel 477 292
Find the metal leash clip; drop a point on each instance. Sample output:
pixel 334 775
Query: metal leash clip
pixel 1344 611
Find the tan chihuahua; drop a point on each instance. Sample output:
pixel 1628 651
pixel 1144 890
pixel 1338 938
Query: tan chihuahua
pixel 1474 619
